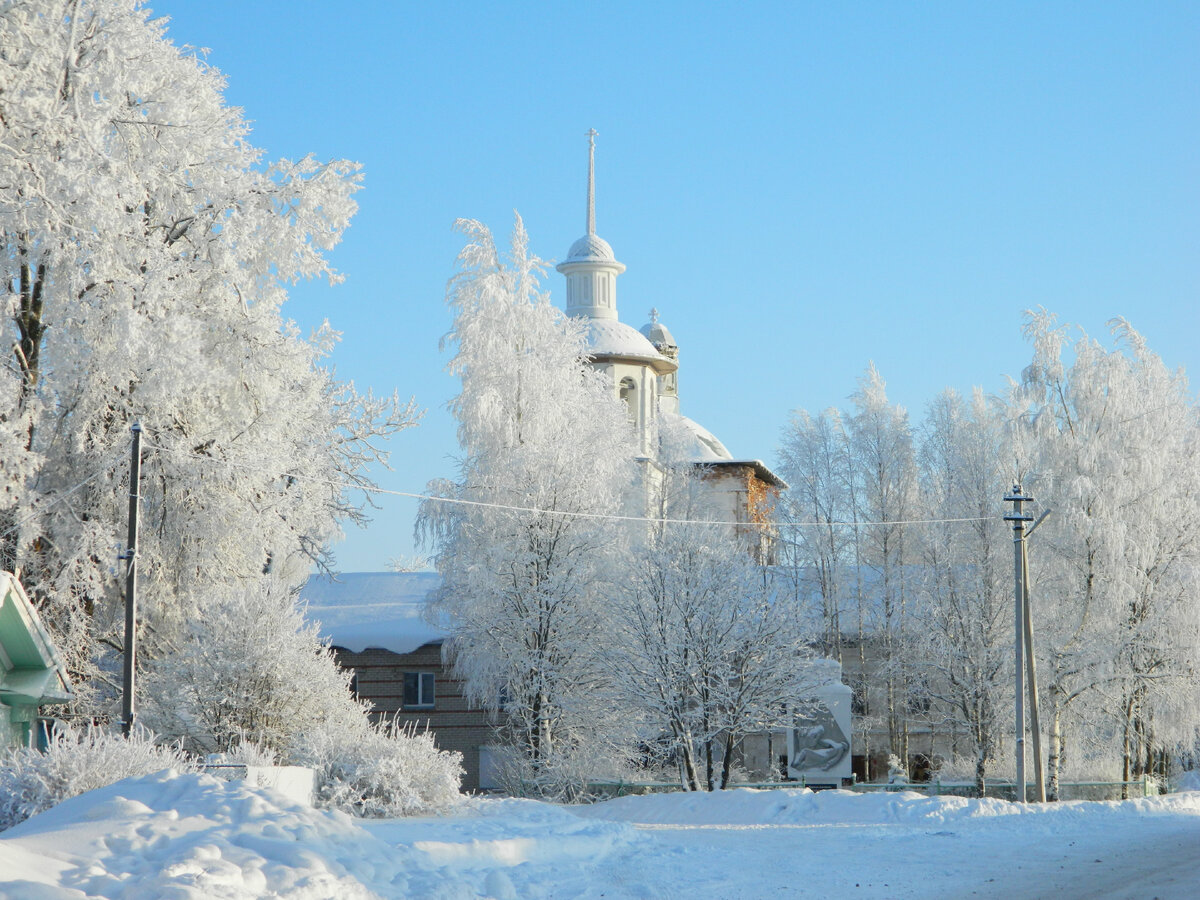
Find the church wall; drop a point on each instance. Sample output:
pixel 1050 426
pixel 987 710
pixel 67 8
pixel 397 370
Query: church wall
pixel 646 405
pixel 742 497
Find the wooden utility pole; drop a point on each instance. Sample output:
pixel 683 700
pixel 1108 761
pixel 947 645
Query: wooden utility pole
pixel 1018 518
pixel 130 557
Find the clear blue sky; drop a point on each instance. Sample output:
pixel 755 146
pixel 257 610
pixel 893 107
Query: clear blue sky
pixel 800 188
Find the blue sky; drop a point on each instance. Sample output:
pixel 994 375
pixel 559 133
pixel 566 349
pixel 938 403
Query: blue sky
pixel 799 188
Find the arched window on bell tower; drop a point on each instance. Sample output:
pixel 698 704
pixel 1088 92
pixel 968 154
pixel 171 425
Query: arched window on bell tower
pixel 629 397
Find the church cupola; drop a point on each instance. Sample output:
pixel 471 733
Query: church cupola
pixel 591 268
pixel 668 382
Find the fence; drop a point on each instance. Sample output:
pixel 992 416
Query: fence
pixel 1074 790
pixel 1007 790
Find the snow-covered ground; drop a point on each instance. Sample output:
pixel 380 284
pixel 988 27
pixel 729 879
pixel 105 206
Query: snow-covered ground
pixel 190 837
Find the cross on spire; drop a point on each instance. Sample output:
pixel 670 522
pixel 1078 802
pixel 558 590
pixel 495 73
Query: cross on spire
pixel 654 315
pixel 591 197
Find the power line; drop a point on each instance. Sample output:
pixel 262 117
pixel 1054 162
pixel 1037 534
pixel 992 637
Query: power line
pixel 434 498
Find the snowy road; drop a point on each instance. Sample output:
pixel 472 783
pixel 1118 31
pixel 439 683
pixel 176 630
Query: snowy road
pixel 876 861
pixel 750 844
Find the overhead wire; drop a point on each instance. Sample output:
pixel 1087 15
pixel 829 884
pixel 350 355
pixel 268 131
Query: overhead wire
pixel 653 520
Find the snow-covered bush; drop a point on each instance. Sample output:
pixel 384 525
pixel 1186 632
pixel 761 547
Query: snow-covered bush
pixel 78 760
pixel 256 685
pixel 380 771
pixel 246 753
pixel 252 672
pixel 561 778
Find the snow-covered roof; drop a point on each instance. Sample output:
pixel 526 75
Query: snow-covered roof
pixel 357 610
pixel 692 441
pixel 31 671
pixel 613 338
pixel 761 470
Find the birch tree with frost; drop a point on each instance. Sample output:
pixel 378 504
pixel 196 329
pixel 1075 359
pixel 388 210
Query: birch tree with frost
pixel 818 552
pixel 705 651
pixel 527 558
pixel 1114 448
pixel 966 634
pixel 146 250
pixel 883 485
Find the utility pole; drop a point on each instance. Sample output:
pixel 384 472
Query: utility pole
pixel 130 557
pixel 1018 518
pixel 1035 724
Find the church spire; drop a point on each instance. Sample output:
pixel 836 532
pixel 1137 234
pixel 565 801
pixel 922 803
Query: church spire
pixel 590 266
pixel 591 200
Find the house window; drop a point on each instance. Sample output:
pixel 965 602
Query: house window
pixel 418 690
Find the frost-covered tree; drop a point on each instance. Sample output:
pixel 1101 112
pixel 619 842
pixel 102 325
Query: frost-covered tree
pixel 704 650
pixel 965 641
pixel 816 464
pixel 1113 444
pixel 883 491
pixel 853 477
pixel 525 554
pixel 146 251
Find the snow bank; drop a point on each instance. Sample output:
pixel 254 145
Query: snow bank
pixel 1189 781
pixel 194 837
pixel 357 610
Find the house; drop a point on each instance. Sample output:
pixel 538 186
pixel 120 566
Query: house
pixel 375 623
pixel 31 673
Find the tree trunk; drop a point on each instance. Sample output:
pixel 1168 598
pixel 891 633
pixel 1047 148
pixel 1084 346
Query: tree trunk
pixel 688 761
pixel 708 764
pixel 1054 757
pixel 727 762
pixel 1126 746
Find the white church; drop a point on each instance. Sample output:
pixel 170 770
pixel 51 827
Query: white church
pixel 644 368
pixel 374 620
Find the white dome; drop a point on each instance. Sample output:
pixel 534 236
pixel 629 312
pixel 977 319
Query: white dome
pixel 590 248
pixel 693 441
pixel 658 335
